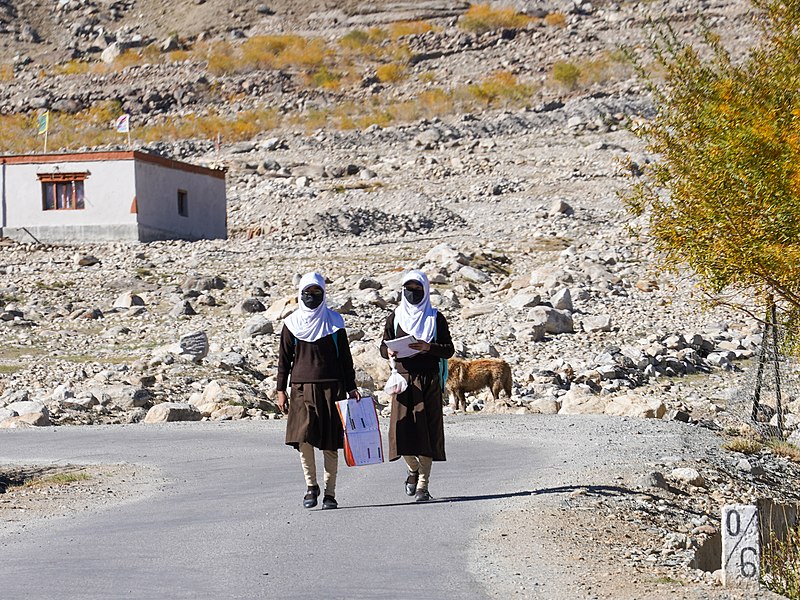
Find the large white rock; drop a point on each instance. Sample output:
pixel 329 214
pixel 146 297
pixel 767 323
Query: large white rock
pixel 228 412
pixel 544 406
pixel 632 405
pixel 28 407
pixel 562 300
pixel 256 326
pixel 172 411
pixel 124 396
pixel 128 299
pixel 473 275
pixel 281 308
pixel 525 299
pixel 595 323
pixel 367 358
pixel 555 321
pixel 688 475
pixel 580 401
pixel 26 420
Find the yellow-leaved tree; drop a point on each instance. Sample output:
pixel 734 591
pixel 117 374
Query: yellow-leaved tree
pixel 723 196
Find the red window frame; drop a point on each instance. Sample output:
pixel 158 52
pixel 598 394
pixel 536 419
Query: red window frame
pixel 63 191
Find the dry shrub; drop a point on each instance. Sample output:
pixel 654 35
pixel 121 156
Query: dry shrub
pixel 129 58
pixel 784 449
pixel 481 18
pixel 179 56
pixel 221 59
pixel 326 79
pixel 391 73
pixel 72 67
pixel 427 77
pixel 780 564
pixel 501 87
pixel 745 445
pixel 364 43
pixel 280 51
pixel 607 66
pixel 556 19
pixel 403 28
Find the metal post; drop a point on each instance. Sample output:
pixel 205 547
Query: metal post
pixel 776 361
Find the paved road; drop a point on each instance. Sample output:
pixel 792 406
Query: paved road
pixel 230 524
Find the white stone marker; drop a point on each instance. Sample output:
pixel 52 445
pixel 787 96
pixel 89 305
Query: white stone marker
pixel 741 550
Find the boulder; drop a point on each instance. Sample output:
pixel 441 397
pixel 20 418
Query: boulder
pixel 687 475
pixel 562 300
pixel 595 323
pixel 256 326
pixel 228 412
pixel 194 345
pixel 281 308
pixel 581 401
pixel 555 321
pixel 172 411
pixel 128 299
pixel 126 397
pixel 524 299
pixel 632 405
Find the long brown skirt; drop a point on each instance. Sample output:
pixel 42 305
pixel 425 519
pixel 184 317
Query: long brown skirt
pixel 313 417
pixel 417 425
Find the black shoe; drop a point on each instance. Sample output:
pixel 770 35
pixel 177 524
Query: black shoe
pixel 411 483
pixel 310 499
pixel 422 496
pixel 329 502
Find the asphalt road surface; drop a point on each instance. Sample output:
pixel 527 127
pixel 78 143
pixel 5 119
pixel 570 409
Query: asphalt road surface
pixel 229 522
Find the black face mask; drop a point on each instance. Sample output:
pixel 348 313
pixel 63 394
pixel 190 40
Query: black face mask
pixel 311 301
pixel 413 296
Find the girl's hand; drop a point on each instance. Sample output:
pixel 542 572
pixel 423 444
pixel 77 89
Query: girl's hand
pixel 420 346
pixel 283 402
pixel 391 353
pixel 354 394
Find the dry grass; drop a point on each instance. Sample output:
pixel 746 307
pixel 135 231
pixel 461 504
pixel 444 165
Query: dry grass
pixel 57 479
pixel 481 18
pixel 784 449
pixel 745 445
pixel 391 73
pixel 607 66
pixel 556 20
pixel 404 28
pixel 6 72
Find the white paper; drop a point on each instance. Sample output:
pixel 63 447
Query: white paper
pixel 401 346
pixel 360 420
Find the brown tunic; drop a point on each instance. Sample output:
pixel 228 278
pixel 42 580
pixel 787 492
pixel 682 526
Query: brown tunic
pixel 417 424
pixel 321 375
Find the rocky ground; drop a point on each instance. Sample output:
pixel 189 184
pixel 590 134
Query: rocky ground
pixel 513 213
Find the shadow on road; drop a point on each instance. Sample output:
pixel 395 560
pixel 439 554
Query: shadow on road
pixel 597 490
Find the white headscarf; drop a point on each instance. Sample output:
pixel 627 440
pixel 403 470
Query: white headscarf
pixel 418 320
pixel 309 324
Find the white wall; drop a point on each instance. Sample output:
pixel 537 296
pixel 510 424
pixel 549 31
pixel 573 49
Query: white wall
pixel 157 198
pixel 108 189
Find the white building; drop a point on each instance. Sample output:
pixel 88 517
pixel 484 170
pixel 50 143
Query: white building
pixel 109 196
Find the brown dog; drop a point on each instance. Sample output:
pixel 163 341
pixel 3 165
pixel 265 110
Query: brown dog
pixel 473 375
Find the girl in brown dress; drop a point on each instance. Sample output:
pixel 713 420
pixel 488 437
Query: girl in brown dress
pixel 315 352
pixel 416 429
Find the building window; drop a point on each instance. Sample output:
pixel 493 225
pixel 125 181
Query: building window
pixel 62 191
pixel 183 203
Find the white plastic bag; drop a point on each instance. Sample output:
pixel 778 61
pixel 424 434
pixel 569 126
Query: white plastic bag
pixel 396 384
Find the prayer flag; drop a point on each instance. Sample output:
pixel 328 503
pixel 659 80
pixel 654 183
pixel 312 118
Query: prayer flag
pixel 123 124
pixel 44 122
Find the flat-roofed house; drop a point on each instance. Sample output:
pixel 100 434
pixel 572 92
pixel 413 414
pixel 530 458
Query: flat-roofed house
pixel 109 196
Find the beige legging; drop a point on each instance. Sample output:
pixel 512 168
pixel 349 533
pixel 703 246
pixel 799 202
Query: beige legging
pixel 423 465
pixel 310 467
